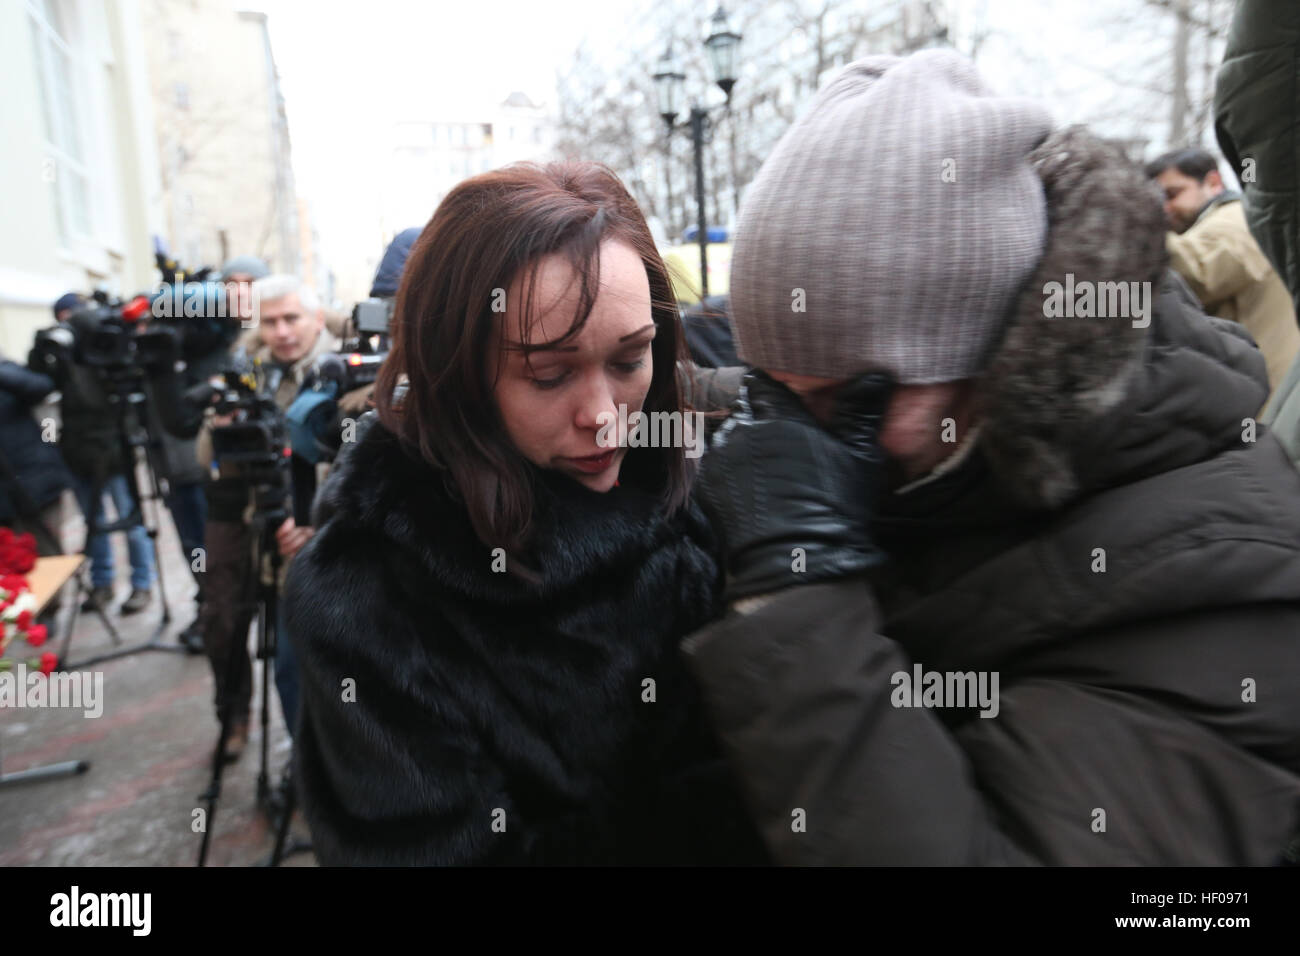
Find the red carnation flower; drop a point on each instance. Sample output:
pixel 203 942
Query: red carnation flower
pixel 36 635
pixel 24 620
pixel 18 555
pixel 49 661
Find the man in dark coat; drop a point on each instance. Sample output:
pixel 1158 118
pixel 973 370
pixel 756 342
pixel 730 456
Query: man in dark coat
pixel 1039 600
pixel 1257 118
pixel 708 334
pixel 33 476
pixel 91 441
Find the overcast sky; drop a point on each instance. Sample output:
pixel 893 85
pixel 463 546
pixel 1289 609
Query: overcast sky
pixel 348 70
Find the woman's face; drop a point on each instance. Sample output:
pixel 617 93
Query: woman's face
pixel 554 402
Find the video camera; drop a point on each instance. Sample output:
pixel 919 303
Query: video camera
pixel 185 319
pixel 102 335
pixel 357 363
pixel 254 449
pixel 313 426
pixel 193 309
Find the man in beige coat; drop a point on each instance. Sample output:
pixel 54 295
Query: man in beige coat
pixel 1212 249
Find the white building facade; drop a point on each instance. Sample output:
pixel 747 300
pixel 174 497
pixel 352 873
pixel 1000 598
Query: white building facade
pixel 78 164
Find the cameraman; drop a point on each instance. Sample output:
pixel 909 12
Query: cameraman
pixel 207 349
pixel 291 330
pixel 92 447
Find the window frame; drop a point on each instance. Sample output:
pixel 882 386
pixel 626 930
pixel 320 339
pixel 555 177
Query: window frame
pixel 64 125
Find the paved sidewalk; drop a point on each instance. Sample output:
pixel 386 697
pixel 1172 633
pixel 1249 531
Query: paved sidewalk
pixel 150 751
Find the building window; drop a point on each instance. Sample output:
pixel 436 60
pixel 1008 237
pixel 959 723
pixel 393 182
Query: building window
pixel 59 75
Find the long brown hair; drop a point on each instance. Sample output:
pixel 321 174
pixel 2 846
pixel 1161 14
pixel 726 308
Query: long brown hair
pixel 487 232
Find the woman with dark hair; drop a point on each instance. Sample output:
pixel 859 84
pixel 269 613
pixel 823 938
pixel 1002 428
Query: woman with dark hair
pixel 488 615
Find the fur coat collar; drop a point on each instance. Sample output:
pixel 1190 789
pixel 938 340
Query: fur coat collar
pixel 559 700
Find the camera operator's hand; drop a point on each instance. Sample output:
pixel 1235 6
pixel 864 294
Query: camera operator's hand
pixel 776 480
pixel 291 538
pixel 357 401
pixel 221 421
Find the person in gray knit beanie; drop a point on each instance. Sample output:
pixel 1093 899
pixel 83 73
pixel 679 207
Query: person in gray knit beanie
pixel 1072 514
pixel 892 226
pixel 250 266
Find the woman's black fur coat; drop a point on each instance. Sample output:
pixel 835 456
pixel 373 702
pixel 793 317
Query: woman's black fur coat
pixel 453 714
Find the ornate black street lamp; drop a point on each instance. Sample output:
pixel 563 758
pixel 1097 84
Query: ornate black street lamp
pixel 723 45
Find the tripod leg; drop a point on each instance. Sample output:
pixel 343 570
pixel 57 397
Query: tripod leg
pixel 286 816
pixel 268 637
pixel 226 709
pixel 218 766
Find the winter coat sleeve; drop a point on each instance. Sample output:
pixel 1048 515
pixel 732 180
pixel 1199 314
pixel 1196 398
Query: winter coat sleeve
pixel 391 767
pixel 1257 119
pixel 1257 113
pixel 800 692
pixel 25 385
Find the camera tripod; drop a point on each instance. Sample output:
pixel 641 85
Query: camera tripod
pixel 278 805
pixel 125 392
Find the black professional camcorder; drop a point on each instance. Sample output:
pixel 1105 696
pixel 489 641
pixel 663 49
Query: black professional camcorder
pixel 102 335
pixel 314 426
pixel 196 311
pixel 185 318
pixel 357 363
pixel 254 449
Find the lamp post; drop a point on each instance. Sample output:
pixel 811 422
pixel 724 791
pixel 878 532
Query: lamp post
pixel 668 84
pixel 722 44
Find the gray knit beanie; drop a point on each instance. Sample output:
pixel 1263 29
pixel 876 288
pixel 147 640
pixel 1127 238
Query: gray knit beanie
pixel 250 266
pixel 892 226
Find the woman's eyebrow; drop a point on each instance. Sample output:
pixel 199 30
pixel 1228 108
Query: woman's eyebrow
pixel 624 338
pixel 529 349
pixel 525 349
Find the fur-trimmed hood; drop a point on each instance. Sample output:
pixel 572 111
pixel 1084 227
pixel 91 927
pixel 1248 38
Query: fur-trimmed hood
pixel 1071 404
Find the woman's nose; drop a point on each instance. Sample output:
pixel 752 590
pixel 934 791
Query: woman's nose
pixel 595 403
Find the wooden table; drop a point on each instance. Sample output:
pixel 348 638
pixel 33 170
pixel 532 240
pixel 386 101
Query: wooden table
pixel 49 575
pixel 45 580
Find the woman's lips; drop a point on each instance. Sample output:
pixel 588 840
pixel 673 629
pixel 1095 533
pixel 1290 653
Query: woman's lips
pixel 594 464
